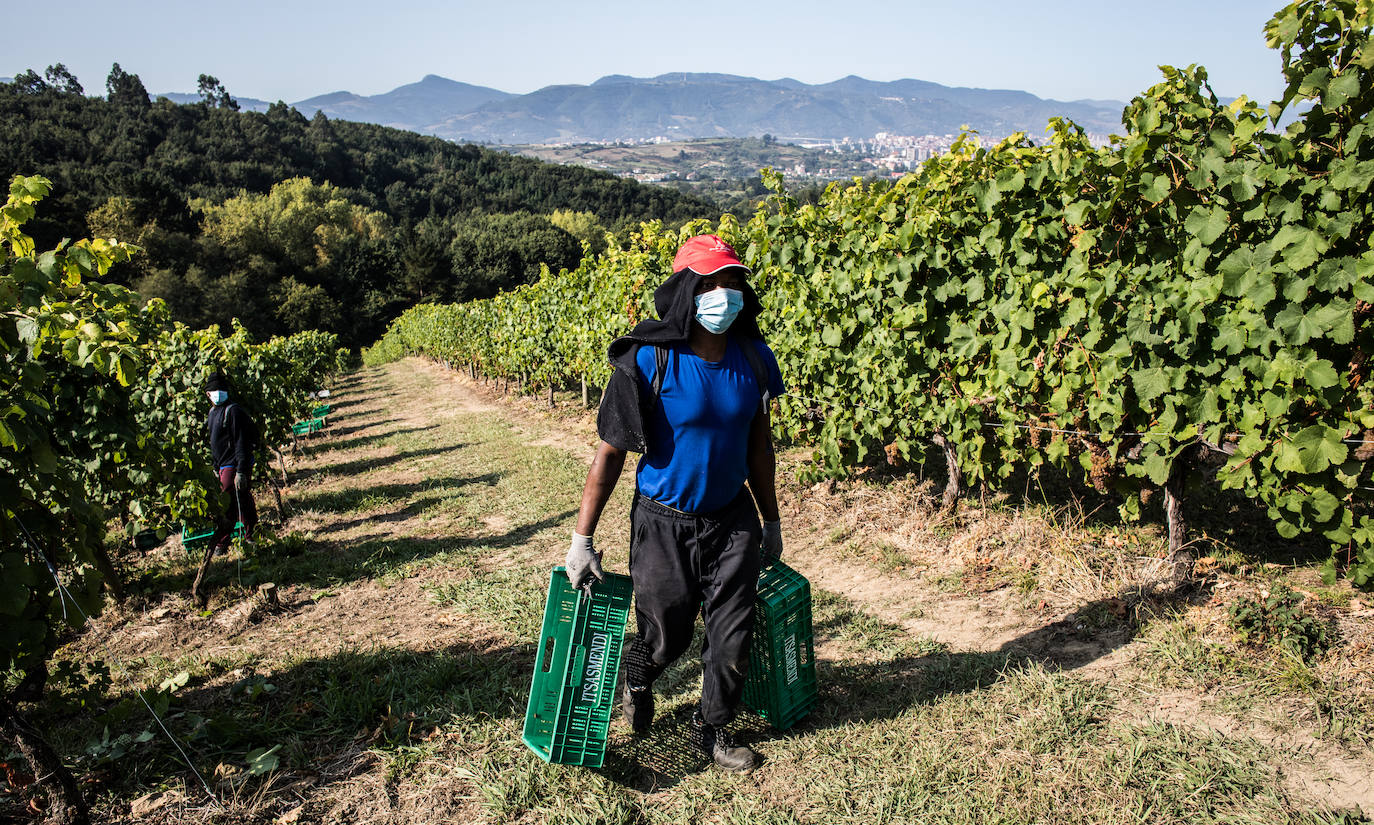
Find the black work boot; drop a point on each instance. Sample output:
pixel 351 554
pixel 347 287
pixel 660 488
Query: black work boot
pixel 637 703
pixel 718 744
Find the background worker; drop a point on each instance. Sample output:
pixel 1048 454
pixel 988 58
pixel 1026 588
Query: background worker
pixel 690 392
pixel 233 435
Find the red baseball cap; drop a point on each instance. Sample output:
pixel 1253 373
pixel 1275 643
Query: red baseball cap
pixel 706 255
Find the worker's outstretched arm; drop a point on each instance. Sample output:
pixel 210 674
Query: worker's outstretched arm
pixel 583 562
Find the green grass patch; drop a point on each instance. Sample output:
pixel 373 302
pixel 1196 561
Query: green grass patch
pixel 906 729
pixel 1247 680
pixel 837 618
pixel 511 597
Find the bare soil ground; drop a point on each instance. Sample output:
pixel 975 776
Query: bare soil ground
pixel 905 517
pixel 964 582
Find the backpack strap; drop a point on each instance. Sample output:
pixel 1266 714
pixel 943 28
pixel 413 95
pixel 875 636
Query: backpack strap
pixel 660 367
pixel 751 352
pixel 223 413
pixel 224 422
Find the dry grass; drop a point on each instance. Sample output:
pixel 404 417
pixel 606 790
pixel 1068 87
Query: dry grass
pixel 982 666
pixel 1057 555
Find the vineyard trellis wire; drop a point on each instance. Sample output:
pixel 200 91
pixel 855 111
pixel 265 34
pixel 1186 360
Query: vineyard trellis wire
pixel 64 596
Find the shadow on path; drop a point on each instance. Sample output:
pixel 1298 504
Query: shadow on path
pixel 343 405
pixel 369 440
pixel 363 465
pixel 410 548
pixel 333 563
pixel 332 431
pixel 860 692
pixel 381 495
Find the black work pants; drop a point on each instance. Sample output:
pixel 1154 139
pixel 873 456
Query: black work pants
pixel 684 564
pixel 239 506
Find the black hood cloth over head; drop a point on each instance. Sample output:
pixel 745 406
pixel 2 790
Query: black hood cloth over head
pixel 216 382
pixel 620 419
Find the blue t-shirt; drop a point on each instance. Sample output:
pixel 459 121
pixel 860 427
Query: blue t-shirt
pixel 698 437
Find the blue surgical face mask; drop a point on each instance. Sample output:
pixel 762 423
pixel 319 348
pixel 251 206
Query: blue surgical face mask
pixel 717 309
pixel 218 397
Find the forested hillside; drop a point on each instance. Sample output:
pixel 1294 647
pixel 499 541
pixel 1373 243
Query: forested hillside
pixel 292 224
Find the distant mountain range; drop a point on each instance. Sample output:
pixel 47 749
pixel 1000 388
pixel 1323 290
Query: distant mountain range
pixel 246 104
pixel 687 105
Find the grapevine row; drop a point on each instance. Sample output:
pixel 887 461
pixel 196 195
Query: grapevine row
pixel 1205 279
pixel 102 416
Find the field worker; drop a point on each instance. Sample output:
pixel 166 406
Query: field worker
pixel 690 392
pixel 232 439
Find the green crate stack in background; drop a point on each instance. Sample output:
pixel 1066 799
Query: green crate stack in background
pixel 576 667
pixel 782 661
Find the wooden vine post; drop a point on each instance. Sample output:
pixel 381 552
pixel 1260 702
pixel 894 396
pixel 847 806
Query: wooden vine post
pixel 281 503
pixel 954 486
pixel 1180 560
pixel 105 565
pixel 200 594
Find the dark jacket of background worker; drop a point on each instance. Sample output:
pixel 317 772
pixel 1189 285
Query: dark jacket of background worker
pixel 233 436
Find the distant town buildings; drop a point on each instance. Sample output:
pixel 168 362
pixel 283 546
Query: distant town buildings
pixel 883 154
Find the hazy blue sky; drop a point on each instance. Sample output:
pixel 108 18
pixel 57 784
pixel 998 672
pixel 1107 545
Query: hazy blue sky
pixel 292 50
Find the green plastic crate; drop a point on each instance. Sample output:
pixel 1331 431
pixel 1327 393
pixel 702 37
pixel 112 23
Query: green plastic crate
pixel 308 426
pixel 323 409
pixel 319 422
pixel 781 685
pixel 147 539
pixel 190 540
pixel 576 667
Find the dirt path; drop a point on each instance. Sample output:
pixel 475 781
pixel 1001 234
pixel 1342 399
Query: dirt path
pixel 322 621
pixel 408 496
pixel 991 620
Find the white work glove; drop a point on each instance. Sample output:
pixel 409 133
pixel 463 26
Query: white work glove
pixel 240 481
pixel 583 563
pixel 772 541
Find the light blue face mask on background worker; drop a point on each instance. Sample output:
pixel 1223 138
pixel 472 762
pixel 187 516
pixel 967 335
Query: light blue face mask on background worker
pixel 717 309
pixel 218 397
